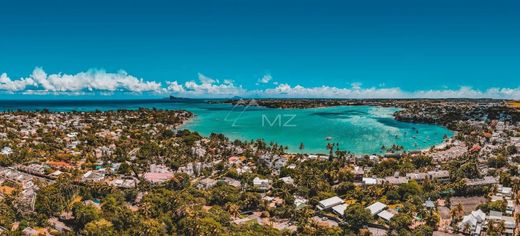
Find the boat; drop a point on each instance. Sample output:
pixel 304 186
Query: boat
pixel 328 138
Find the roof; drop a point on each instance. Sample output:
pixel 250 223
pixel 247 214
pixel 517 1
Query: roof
pixel 330 202
pixel 386 215
pixel 506 190
pixel 376 208
pixel 157 177
pixel 258 181
pixel 429 203
pixel 479 215
pixel 396 180
pixel 340 209
pixel 369 181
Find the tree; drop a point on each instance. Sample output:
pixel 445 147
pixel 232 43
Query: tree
pixel 233 209
pixel 344 187
pixel 497 162
pixel 84 214
pixel 401 221
pixel 7 215
pixel 421 161
pixel 356 216
pixel 412 188
pixel 100 227
pixel 423 230
pixel 457 211
pixel 149 227
pixel 223 194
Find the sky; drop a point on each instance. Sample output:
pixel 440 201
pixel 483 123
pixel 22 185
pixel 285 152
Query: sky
pixel 259 48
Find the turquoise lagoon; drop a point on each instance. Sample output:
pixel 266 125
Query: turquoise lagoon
pixel 358 129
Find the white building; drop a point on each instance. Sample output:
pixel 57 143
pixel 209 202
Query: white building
pixel 386 215
pixel 329 203
pixel 340 209
pixel 261 183
pixel 376 208
pixel 369 181
pixel 287 180
pixel 474 222
pixel 6 151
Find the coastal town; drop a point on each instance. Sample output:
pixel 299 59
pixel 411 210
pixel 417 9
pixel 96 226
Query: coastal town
pixel 139 172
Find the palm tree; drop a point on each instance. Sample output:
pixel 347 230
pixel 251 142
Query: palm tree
pixel 457 211
pixel 233 209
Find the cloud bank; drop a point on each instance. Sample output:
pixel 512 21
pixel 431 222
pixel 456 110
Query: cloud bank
pixel 39 82
pixel 102 82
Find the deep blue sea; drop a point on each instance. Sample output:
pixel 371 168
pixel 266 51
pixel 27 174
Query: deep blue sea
pixel 358 129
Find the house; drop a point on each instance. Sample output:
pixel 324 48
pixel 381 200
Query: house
pixel 510 207
pixel 429 204
pixel 287 180
pixel 509 225
pixel 156 178
pixel 416 176
pixel 340 209
pixel 505 191
pixel 473 222
pixel 207 183
pixel 6 151
pixel 369 181
pixel 124 183
pixel 262 184
pixel 273 202
pixel 59 165
pixel 93 176
pixel 395 180
pixel 441 175
pixel 376 208
pixel 234 160
pixel 508 221
pixel 58 225
pixel 56 173
pixel 230 181
pixel 358 172
pixel 386 215
pixel 329 203
pixel 299 201
pixel 30 232
pixel 154 168
pixel 158 174
pixel 487 180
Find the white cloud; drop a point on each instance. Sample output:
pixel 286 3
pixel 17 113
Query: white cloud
pixel 206 87
pixel 265 79
pixel 92 80
pixel 14 85
pixel 285 90
pixel 175 87
pixel 298 91
pixel 105 83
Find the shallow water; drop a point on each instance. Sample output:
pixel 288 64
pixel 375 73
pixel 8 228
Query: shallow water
pixel 358 129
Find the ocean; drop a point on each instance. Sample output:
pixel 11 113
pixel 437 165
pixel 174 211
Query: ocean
pixel 358 129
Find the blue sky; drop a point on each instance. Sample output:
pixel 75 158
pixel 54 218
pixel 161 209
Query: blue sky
pixel 388 48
